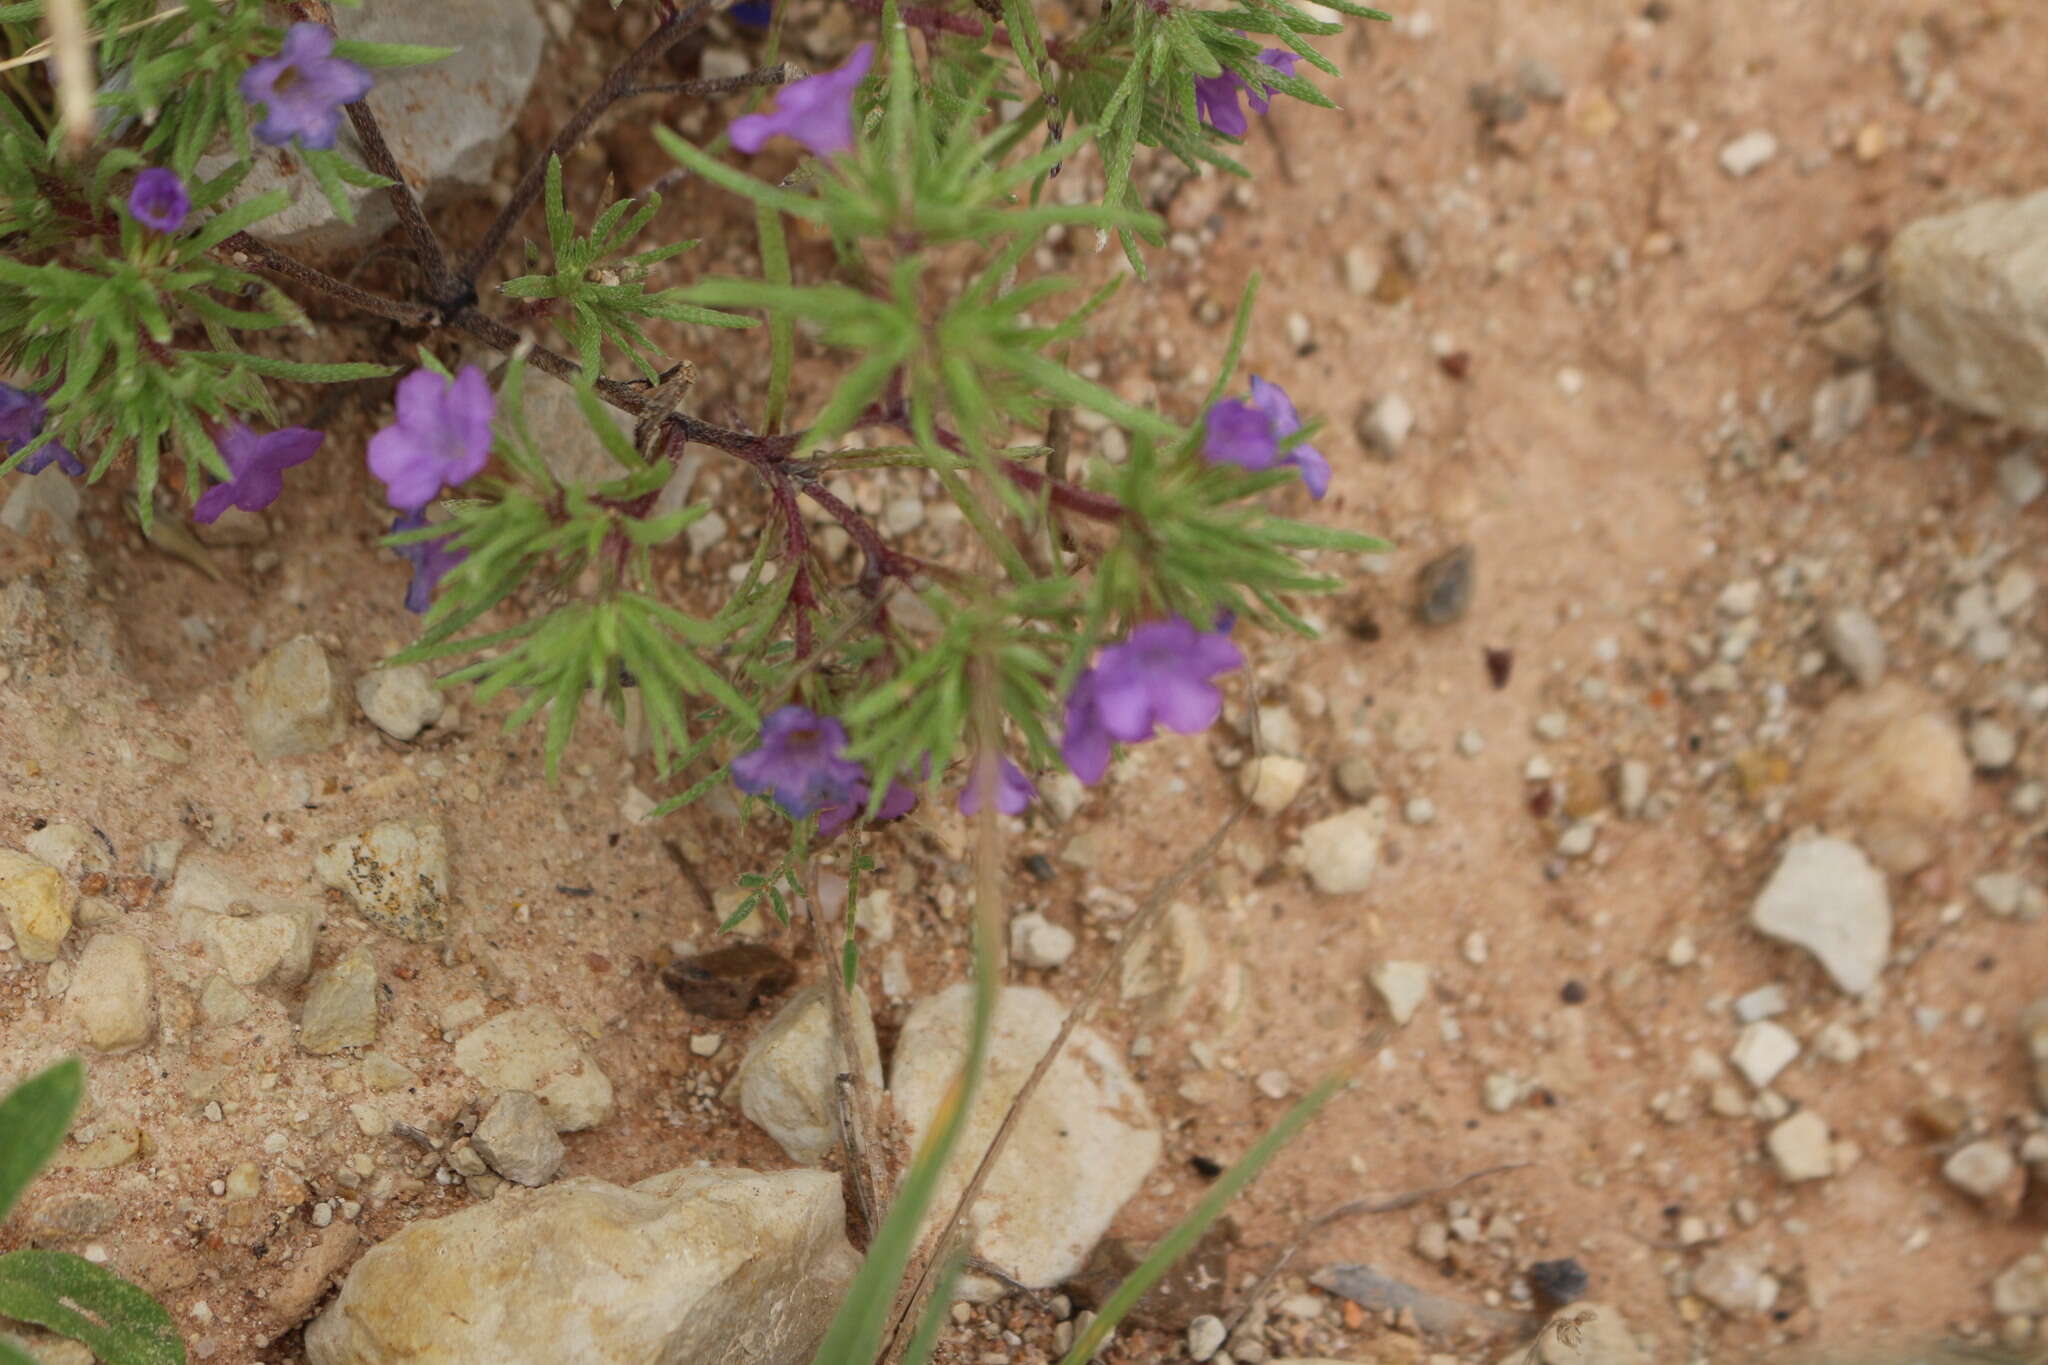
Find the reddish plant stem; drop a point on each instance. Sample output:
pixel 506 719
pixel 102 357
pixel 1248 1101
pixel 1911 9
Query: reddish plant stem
pixel 267 257
pixel 425 245
pixel 803 602
pixel 928 19
pixel 674 26
pixel 1072 497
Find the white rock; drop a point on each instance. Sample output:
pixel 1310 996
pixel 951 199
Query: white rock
pixel 1966 301
pixel 1037 942
pixel 1887 763
pixel 1734 1280
pixel 1825 897
pixel 694 1265
pixel 1206 1336
pixel 1749 153
pixel 1081 1148
pixel 1993 747
pixel 1272 781
pixel 396 874
pixel 341 1005
pixel 1403 986
pixel 1386 425
pixel 255 939
pixel 1340 852
pixel 2022 1287
pixel 1632 787
pixel 1586 1333
pixel 1761 1003
pixel 1838 1043
pixel 1980 1169
pixel 291 701
pixel 1854 641
pixel 530 1049
pixel 444 121
pixel 1164 969
pixel 2021 479
pixel 45 503
pixel 574 453
pixel 1802 1147
pixel 788 1081
pixel 518 1139
pixel 1841 405
pixel 112 995
pixel 399 701
pixel 72 849
pixel 1762 1051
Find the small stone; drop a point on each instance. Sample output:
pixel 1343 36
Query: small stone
pixel 1559 1282
pixel 1550 726
pixel 1206 1335
pixel 399 701
pixel 2010 896
pixel 384 1074
pixel 1274 1084
pixel 1419 810
pixel 1748 154
pixel 33 503
pixel 729 982
pixel 1362 272
pixel 1444 587
pixel 1578 840
pixel 1838 1043
pixel 1802 1147
pixel 1853 640
pixel 1983 1169
pixel 1384 427
pixel 1631 787
pixel 396 876
pixel 787 1082
pixel 291 701
pixel 531 1050
pixel 1683 952
pixel 1501 1092
pixel 2021 480
pixel 160 858
pixel 371 1121
pixel 73 850
pixel 1825 897
pixel 1403 986
pixel 38 902
pixel 1272 781
pixel 1357 779
pixel 1539 81
pixel 1038 943
pixel 518 1139
pixel 1888 763
pixel 112 996
pixel 706 1044
pixel 1740 599
pixel 1856 335
pixel 1761 1003
pixel 341 1006
pixel 222 1003
pixel 1841 406
pixel 1993 747
pixel 1587 1333
pixel 2023 1286
pixel 1762 1051
pixel 1735 1281
pixel 1340 852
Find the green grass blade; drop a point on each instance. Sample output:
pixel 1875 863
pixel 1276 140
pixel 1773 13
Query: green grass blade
pixel 33 1120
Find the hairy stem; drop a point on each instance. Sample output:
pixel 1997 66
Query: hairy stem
pixel 248 250
pixel 624 81
pixel 780 74
pixel 425 245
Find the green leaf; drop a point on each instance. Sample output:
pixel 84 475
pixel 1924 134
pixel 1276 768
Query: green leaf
pixel 70 1295
pixel 34 1117
pixel 1188 1231
pixel 305 372
pixel 391 54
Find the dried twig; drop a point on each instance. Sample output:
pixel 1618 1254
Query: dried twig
pixel 73 52
pixel 1354 1209
pixel 857 1110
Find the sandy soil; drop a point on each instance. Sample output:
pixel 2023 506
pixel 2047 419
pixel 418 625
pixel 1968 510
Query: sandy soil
pixel 1610 346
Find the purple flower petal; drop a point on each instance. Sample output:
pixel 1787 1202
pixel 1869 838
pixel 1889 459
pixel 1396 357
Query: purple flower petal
pixel 158 200
pixel 1281 60
pixel 22 415
pixel 1241 434
pixel 799 762
pixel 432 560
pixel 1216 103
pixel 816 111
pixel 1315 470
pixel 303 88
pixel 257 463
pixel 440 437
pixel 1085 746
pixel 1014 791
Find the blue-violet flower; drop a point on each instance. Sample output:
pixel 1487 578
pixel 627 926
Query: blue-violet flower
pixel 21 420
pixel 1216 96
pixel 258 463
pixel 431 562
pixel 159 201
pixel 1248 434
pixel 816 111
pixel 1159 675
pixel 440 438
pixel 1014 791
pixel 800 762
pixel 303 88
pixel 897 802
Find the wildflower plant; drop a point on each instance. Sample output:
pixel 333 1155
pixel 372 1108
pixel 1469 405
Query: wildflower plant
pixel 1092 606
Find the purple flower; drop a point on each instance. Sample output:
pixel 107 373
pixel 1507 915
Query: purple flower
pixel 21 421
pixel 1159 675
pixel 258 464
pixel 303 88
pixel 440 438
pixel 431 562
pixel 1248 434
pixel 897 802
pixel 817 110
pixel 1216 96
pixel 159 201
pixel 1013 790
pixel 800 763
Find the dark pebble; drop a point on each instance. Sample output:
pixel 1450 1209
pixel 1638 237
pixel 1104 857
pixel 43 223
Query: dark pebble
pixel 1559 1282
pixel 1574 993
pixel 729 982
pixel 1443 590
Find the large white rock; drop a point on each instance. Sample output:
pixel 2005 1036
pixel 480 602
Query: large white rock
pixel 1966 301
pixel 1081 1148
pixel 696 1265
pixel 112 997
pixel 444 121
pixel 1340 852
pixel 788 1082
pixel 396 875
pixel 1827 898
pixel 532 1050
